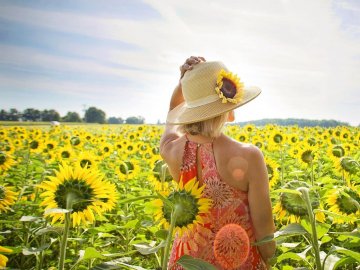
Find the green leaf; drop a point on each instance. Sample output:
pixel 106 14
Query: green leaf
pixel 149 248
pixel 112 264
pixel 289 255
pixel 330 262
pixel 190 263
pixel 92 253
pixel 291 229
pixel 34 251
pixel 343 261
pixel 30 219
pixel 286 190
pixel 58 230
pixel 105 235
pixel 131 224
pixel 57 211
pixel 326 238
pixel 347 252
pixel 322 229
pixel 162 234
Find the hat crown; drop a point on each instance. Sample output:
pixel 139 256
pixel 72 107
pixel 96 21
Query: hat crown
pixel 200 82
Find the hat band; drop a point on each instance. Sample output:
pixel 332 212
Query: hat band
pixel 202 101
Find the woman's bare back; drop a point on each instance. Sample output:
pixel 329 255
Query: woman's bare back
pixel 232 159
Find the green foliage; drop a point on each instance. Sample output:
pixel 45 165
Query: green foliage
pixel 94 115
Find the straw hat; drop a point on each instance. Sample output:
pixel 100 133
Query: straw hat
pixel 209 90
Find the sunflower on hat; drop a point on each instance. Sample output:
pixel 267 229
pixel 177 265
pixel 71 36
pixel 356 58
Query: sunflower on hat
pixel 229 87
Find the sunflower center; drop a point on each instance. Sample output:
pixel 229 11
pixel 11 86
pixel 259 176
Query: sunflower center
pixel 50 146
pixel 259 144
pixel 34 144
pixel 349 203
pixel 228 88
pixel 307 156
pixel 2 158
pixel 347 164
pixel 126 167
pixel 65 154
pixel 293 203
pixel 85 163
pixel 157 171
pixel 75 140
pixel 278 138
pixel 270 171
pixel 82 192
pixel 188 208
pixel 338 151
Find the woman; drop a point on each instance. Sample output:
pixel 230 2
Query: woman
pixel 234 174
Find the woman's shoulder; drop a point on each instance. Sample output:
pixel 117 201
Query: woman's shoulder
pixel 232 146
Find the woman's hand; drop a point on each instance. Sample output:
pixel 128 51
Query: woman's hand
pixel 190 63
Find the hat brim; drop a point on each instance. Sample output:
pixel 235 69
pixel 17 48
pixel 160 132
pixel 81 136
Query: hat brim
pixel 182 114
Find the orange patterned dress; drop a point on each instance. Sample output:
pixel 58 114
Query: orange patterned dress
pixel 229 205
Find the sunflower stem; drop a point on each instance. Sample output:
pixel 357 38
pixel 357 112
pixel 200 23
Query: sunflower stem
pixel 69 202
pixel 314 240
pixel 174 216
pixel 312 173
pixel 282 164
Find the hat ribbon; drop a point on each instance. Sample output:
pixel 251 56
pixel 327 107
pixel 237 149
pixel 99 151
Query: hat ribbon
pixel 202 101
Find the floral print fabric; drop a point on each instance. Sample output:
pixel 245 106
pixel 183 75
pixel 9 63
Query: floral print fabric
pixel 230 205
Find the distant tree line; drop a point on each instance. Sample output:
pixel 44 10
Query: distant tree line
pixel 92 115
pixel 298 122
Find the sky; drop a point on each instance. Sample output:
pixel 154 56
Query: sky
pixel 123 57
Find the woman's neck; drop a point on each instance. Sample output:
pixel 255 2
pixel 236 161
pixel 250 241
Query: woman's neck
pixel 200 138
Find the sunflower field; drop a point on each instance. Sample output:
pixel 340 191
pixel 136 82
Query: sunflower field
pixel 101 197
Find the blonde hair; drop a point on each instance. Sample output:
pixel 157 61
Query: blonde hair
pixel 209 128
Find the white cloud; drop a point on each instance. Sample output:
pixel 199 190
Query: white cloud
pixel 295 50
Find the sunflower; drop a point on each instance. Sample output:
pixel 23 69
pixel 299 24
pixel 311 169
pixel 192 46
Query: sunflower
pixel 190 204
pixel 7 146
pixel 243 137
pixel 4 259
pixel 35 145
pixel 229 87
pixel 6 161
pixel 292 208
pixel 277 138
pixel 273 171
pixel 86 159
pixel 344 201
pixel 292 138
pixel 346 165
pixel 65 153
pixel 90 194
pixel 294 150
pixel 336 151
pixel 50 144
pixel 307 154
pixel 76 141
pixel 249 128
pixel 7 197
pixel 127 169
pixel 106 149
pixel 258 141
pixel 160 179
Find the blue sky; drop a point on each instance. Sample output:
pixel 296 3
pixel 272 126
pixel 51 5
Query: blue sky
pixel 123 56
